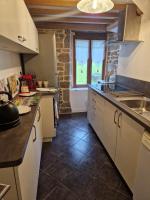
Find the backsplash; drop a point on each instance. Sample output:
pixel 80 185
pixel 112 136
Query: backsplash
pixel 135 84
pixel 9 65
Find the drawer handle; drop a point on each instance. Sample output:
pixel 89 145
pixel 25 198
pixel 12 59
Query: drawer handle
pixel 39 110
pixel 116 112
pixel 120 115
pixel 35 133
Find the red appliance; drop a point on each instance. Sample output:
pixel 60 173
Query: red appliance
pixel 30 81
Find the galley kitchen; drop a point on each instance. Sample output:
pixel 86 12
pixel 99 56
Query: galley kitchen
pixel 74 100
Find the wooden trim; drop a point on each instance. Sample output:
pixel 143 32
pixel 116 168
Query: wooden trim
pixel 65 3
pixel 78 20
pixel 50 11
pixel 71 26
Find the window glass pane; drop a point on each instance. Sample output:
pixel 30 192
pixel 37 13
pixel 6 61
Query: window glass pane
pixel 98 47
pixel 82 54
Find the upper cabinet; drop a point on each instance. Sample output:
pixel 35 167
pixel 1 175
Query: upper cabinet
pixel 127 28
pixel 17 29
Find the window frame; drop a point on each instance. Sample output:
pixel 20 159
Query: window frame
pixel 90 37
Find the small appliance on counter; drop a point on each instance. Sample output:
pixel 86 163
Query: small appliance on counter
pixel 9 114
pixel 27 83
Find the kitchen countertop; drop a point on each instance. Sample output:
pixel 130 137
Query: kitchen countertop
pixel 109 97
pixel 13 142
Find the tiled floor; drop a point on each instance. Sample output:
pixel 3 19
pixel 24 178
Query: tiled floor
pixel 75 166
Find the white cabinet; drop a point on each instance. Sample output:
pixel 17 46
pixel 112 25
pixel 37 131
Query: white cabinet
pixel 17 30
pixel 128 144
pixel 24 178
pixel 99 119
pixel 47 112
pixel 28 172
pixel 120 134
pixel 92 108
pixel 95 112
pixel 25 173
pixel 110 128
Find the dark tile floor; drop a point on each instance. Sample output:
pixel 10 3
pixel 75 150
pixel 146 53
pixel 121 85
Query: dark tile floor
pixel 75 166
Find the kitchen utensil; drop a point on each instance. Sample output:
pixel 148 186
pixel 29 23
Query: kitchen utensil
pixel 13 84
pixel 23 109
pixel 9 115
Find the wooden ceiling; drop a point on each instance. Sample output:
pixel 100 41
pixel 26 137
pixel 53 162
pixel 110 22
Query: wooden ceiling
pixel 64 14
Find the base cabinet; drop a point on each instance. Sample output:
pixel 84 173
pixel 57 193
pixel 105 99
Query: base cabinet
pixel 120 135
pixel 128 144
pixel 24 178
pixel 47 112
pixel 110 129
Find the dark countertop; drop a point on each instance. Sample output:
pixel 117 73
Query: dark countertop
pixel 13 142
pixel 138 118
pixel 3 190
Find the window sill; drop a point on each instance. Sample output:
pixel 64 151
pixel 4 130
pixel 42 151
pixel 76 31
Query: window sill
pixel 79 89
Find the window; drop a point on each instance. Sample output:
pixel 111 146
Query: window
pixel 89 55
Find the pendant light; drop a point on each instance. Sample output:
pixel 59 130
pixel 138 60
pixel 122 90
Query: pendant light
pixel 95 6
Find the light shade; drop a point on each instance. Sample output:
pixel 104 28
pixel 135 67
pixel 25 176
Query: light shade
pixel 95 6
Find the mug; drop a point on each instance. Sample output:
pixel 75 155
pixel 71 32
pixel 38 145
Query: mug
pixel 39 84
pixel 45 83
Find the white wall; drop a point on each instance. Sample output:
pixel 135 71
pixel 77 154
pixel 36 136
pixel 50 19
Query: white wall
pixel 134 61
pixel 9 64
pixel 78 100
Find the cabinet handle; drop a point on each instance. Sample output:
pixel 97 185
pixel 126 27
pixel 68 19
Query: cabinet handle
pixel 35 133
pixel 24 39
pixel 39 114
pixel 21 38
pixel 120 114
pixel 115 116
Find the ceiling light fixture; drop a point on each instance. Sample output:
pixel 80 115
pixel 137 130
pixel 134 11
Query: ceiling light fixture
pixel 95 6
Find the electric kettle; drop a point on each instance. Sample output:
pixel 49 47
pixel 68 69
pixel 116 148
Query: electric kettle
pixel 9 114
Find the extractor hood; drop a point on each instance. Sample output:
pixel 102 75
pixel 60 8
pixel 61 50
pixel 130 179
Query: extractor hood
pixel 127 29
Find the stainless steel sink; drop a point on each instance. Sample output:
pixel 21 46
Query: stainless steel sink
pixel 140 105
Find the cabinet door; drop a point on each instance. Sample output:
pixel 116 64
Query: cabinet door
pixel 128 144
pixel 17 25
pixel 28 171
pixel 9 20
pixel 47 112
pixel 92 108
pixel 25 173
pixel 37 147
pixel 109 136
pixel 99 117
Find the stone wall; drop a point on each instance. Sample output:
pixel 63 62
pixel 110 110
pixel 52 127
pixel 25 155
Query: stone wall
pixel 113 50
pixel 63 51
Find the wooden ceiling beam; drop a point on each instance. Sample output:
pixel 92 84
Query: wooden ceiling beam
pixel 75 20
pixel 42 12
pixel 71 26
pixel 64 3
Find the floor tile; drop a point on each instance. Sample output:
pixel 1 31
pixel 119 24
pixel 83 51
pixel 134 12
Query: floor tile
pixel 75 166
pixel 61 193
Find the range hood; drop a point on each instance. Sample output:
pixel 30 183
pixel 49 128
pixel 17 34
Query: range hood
pixel 127 28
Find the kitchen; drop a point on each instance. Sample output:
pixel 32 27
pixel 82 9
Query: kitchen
pixel 74 109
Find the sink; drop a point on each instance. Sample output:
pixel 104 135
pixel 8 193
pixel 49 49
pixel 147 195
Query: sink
pixel 140 105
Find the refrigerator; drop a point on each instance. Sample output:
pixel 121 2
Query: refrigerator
pixel 43 65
